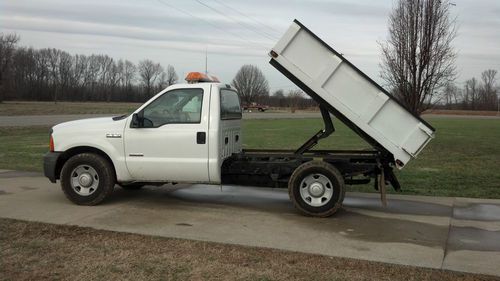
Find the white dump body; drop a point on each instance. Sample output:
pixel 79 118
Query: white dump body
pixel 310 61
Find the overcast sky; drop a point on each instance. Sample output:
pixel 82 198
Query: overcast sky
pixel 234 32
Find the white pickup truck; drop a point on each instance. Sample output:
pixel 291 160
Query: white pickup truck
pixel 191 133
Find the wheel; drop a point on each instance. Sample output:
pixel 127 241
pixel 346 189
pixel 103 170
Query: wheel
pixel 317 189
pixel 261 109
pixel 131 186
pixel 87 179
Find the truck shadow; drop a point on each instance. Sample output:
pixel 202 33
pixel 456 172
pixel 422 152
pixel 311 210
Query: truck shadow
pixel 361 218
pixel 267 199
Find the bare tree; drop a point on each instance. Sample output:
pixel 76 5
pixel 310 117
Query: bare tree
pixel 162 81
pixel 7 46
pixel 65 72
pixel 129 71
pixel 471 94
pixel 251 83
pixel 451 95
pixel 113 81
pixel 53 56
pixel 80 64
pixel 418 58
pixel 171 75
pixel 279 94
pixel 42 74
pixel 488 89
pixel 149 72
pixel 91 76
pixel 167 78
pixel 127 77
pixel 294 97
pixel 105 64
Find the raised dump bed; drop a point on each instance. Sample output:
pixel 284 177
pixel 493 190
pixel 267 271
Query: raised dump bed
pixel 349 94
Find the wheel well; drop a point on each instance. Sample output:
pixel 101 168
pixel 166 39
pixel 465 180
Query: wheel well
pixel 79 150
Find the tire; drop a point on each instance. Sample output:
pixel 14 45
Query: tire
pixel 317 189
pixel 87 179
pixel 132 186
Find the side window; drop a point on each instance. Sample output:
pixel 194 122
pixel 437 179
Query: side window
pixel 229 105
pixel 176 106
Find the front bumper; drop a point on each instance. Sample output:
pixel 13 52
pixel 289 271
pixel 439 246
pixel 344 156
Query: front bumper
pixel 50 165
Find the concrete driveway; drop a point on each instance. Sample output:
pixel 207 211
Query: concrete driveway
pixel 450 233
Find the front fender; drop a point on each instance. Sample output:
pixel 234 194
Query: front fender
pixel 113 148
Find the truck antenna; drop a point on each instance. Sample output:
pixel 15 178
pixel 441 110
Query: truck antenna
pixel 206 60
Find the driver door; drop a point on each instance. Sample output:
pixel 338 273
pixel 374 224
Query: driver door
pixel 170 141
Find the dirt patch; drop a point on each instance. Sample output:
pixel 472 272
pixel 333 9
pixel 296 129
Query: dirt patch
pixel 43 251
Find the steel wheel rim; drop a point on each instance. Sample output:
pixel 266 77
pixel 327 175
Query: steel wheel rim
pixel 84 180
pixel 316 190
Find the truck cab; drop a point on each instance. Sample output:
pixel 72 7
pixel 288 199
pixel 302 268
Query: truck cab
pixel 182 134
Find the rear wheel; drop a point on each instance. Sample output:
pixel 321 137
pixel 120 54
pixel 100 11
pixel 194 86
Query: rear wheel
pixel 87 179
pixel 317 188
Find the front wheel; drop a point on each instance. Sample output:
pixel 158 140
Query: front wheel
pixel 317 189
pixel 87 179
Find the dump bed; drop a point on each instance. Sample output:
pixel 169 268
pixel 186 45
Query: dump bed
pixel 349 94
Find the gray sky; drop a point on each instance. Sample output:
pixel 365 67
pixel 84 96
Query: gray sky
pixel 178 32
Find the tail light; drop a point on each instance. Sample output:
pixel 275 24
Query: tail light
pixel 51 144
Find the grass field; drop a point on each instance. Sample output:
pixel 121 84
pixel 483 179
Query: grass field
pixel 60 108
pixel 37 251
pixel 463 160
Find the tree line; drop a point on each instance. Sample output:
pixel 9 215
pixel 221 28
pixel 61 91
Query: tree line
pixel 252 86
pixel 54 75
pixel 476 94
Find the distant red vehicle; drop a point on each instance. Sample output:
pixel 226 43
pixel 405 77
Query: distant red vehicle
pixel 255 106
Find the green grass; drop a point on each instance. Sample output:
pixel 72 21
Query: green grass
pixel 463 160
pixel 22 148
pixel 292 133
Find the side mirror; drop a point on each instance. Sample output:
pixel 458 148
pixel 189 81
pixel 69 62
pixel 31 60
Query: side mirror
pixel 136 121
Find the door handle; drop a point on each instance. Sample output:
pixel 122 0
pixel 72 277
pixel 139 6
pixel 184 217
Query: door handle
pixel 201 137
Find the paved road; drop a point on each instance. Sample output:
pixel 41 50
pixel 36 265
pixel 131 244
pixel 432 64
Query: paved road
pixel 450 233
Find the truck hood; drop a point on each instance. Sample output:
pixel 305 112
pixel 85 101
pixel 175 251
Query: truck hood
pixel 91 124
pixel 105 134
